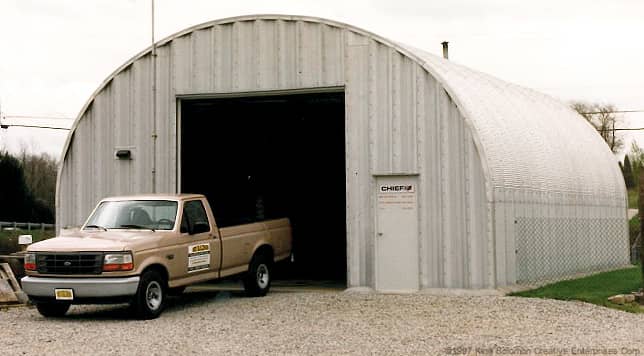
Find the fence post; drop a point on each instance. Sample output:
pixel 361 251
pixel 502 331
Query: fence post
pixel 42 227
pixel 28 226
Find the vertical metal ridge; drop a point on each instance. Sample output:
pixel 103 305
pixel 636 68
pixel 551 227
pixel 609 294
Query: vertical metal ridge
pixel 442 116
pixel 299 53
pixel 373 100
pixel 390 112
pixel 395 90
pixel 467 234
pixel 235 67
pixel 424 206
pixel 257 53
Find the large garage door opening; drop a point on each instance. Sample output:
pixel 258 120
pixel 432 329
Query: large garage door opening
pixel 264 157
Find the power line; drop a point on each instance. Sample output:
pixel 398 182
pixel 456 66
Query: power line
pixel 36 117
pixel 610 112
pixel 6 126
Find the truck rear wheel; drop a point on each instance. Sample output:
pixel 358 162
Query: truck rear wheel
pixel 257 281
pixel 52 309
pixel 149 300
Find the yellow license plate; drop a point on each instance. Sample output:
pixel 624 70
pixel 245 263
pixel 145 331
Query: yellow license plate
pixel 64 294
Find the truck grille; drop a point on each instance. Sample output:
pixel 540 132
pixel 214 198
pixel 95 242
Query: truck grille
pixel 77 263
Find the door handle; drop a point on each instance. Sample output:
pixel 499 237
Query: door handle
pixel 380 234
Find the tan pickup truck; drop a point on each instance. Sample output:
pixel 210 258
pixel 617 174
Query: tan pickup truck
pixel 139 249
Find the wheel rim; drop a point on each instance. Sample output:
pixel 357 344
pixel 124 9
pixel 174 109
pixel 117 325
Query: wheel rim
pixel 262 276
pixel 153 295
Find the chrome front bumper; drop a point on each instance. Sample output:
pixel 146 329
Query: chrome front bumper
pixel 82 287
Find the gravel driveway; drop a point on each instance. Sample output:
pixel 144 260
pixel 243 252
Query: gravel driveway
pixel 217 323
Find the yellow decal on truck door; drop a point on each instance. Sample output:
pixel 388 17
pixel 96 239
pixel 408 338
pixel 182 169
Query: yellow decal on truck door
pixel 198 257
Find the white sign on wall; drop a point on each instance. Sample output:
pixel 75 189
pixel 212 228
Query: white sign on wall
pixel 397 196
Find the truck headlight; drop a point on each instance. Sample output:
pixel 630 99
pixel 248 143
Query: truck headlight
pixel 117 262
pixel 30 262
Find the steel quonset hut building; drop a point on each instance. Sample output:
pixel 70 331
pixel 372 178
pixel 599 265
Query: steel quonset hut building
pixel 399 170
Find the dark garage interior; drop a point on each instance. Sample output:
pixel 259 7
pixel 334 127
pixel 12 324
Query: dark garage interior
pixel 263 157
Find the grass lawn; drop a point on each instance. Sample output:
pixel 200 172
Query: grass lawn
pixel 633 229
pixel 593 289
pixel 633 198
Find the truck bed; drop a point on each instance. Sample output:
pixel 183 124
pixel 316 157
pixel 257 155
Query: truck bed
pixel 246 238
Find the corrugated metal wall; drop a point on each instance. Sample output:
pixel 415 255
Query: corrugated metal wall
pixel 399 120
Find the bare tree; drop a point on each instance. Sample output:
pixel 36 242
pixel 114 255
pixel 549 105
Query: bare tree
pixel 604 119
pixel 636 159
pixel 40 175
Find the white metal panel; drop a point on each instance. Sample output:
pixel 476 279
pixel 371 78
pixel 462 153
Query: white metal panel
pixel 120 108
pixel 141 124
pixel 380 105
pixel 358 173
pixel 429 182
pixel 223 66
pixel 287 54
pixel 181 65
pixel 202 60
pixel 171 75
pixel 332 56
pixel 267 59
pixel 476 217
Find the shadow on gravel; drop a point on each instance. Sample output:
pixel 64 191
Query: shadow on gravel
pixel 188 300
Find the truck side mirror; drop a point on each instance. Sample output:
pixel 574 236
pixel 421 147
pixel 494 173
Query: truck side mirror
pixel 25 240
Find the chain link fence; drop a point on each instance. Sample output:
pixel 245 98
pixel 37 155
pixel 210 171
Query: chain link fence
pixel 551 249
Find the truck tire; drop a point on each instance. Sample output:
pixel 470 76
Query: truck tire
pixel 257 281
pixel 52 309
pixel 150 297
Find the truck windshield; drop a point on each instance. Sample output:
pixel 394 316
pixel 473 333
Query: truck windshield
pixel 134 214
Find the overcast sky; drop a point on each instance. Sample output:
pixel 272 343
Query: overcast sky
pixel 55 53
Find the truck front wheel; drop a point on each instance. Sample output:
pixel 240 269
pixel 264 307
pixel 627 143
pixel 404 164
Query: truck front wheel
pixel 149 300
pixel 52 309
pixel 258 278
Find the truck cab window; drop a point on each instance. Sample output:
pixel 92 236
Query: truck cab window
pixel 194 214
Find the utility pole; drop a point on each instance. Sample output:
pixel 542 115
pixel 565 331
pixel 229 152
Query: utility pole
pixel 153 56
pixel 2 125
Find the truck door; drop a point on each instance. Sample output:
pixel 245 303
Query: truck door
pixel 200 251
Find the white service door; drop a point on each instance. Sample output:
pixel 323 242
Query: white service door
pixel 397 234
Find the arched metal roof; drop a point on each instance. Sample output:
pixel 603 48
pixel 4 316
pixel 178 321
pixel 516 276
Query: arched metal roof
pixel 531 140
pixel 526 140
